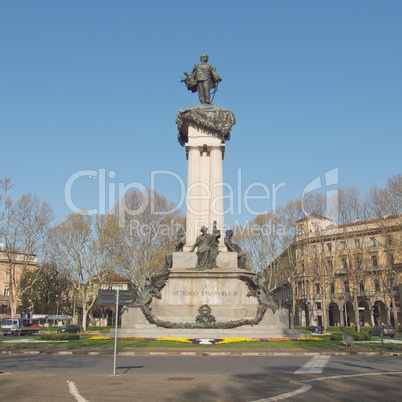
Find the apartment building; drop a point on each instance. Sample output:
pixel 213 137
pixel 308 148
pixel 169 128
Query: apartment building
pixel 338 275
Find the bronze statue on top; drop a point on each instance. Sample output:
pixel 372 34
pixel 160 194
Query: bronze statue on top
pixel 202 79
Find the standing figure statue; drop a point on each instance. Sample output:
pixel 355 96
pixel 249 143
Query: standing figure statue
pixel 202 79
pixel 232 247
pixel 208 250
pixel 180 239
pixel 179 244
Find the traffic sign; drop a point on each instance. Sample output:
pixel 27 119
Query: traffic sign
pixel 109 297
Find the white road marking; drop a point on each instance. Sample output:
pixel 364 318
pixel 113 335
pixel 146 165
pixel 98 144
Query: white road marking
pixel 336 377
pixel 305 387
pixel 315 365
pixel 74 392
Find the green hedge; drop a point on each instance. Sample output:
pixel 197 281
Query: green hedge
pixel 59 337
pixel 333 329
pixel 336 336
pixel 344 329
pixel 100 329
pixel 357 336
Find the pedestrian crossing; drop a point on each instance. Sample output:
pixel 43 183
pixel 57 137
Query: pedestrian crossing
pixel 315 365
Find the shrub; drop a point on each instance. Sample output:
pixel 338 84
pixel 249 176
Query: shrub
pixel 357 336
pixel 59 337
pixel 336 336
pixel 349 329
pixel 344 329
pixel 364 336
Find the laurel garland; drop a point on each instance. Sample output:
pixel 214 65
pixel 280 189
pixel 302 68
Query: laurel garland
pixel 144 302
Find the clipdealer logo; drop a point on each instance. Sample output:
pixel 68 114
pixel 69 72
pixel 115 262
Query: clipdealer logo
pixel 237 198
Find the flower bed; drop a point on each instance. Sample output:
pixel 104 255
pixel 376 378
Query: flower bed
pixel 206 341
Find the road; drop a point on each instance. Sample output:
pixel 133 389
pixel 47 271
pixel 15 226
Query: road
pixel 200 378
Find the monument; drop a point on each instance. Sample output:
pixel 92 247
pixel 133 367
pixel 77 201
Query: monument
pixel 205 289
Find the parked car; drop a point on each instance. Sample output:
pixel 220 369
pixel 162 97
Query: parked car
pixel 387 330
pixel 73 329
pixel 316 330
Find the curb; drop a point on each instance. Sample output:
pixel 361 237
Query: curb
pixel 200 353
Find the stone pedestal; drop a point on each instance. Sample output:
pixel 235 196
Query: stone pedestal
pixel 219 288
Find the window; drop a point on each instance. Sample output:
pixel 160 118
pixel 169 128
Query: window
pixel 361 286
pixel 332 288
pixel 315 226
pixel 358 260
pixel 6 290
pixel 373 242
pixel 300 230
pixel 357 243
pixel 317 288
pixel 391 258
pixel 8 272
pixel 329 247
pixel 377 286
pixel 329 263
pixel 302 266
pixel 343 245
pixel 344 262
pixel 314 248
pixel 374 260
pixel 318 306
pixel 346 287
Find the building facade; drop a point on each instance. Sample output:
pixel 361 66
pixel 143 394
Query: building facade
pixel 11 267
pixel 342 275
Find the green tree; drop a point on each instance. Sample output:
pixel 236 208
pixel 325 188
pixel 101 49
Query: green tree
pixel 47 295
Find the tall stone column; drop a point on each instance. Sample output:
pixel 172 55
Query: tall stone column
pixel 204 183
pixel 216 182
pixel 203 130
pixel 192 196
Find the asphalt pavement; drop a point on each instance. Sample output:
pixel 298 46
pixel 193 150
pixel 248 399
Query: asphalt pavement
pixel 33 378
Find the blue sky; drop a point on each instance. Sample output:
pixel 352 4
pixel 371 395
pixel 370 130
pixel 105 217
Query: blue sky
pixel 91 85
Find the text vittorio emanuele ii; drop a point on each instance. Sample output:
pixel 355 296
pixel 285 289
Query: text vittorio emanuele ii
pixel 204 293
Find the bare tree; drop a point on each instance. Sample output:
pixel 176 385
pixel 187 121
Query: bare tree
pixel 24 227
pixel 269 240
pixel 287 269
pixel 381 202
pixel 258 239
pixel 351 208
pixel 148 226
pixel 85 247
pixel 5 205
pixel 394 189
